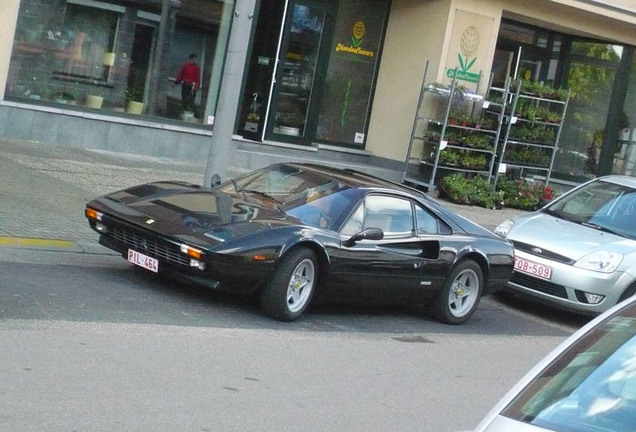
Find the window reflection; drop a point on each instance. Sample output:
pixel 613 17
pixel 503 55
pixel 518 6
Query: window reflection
pixel 103 55
pixel 591 386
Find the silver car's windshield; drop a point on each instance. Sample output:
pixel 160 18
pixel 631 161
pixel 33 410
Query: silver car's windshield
pixel 605 206
pixel 589 387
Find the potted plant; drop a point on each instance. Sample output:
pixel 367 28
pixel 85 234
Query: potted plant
pixel 289 123
pixel 251 122
pixel 95 100
pixel 474 191
pixel 478 141
pixel 135 92
pixel 449 157
pixel 474 161
pixel 135 97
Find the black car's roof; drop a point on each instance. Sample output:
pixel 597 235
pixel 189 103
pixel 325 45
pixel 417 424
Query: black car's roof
pixel 356 179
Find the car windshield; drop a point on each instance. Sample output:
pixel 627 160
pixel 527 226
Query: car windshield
pixel 590 387
pixel 601 205
pixel 315 199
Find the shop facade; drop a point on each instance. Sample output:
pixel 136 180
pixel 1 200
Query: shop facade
pixel 325 81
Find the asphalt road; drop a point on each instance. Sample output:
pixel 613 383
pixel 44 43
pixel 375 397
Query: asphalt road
pixel 88 343
pixel 91 343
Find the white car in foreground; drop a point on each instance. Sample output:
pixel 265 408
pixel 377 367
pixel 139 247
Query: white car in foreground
pixel 587 384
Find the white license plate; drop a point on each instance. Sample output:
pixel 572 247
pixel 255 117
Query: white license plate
pixel 533 268
pixel 144 261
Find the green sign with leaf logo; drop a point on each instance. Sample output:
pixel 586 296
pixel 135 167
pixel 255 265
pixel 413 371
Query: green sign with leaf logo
pixel 468 45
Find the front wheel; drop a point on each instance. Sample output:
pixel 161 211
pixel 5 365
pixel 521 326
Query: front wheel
pixel 291 288
pixel 460 297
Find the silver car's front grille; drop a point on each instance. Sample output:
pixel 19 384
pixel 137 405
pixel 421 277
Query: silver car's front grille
pixel 533 250
pixel 540 285
pixel 155 249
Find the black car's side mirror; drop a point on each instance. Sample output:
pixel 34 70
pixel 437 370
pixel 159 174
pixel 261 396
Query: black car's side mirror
pixel 367 234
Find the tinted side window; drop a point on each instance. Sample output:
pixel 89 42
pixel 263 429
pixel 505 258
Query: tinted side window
pixel 426 222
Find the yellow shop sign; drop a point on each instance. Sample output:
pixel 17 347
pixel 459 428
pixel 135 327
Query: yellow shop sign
pixel 359 30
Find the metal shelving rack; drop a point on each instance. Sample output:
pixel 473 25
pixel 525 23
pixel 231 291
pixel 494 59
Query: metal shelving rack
pixel 432 133
pixel 513 121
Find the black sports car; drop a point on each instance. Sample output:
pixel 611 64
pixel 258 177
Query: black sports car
pixel 290 230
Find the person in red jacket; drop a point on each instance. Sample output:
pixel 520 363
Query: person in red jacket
pixel 189 77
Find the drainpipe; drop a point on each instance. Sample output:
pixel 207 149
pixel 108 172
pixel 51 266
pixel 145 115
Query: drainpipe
pixel 229 93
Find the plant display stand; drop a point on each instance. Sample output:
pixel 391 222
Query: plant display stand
pixel 533 129
pixel 454 131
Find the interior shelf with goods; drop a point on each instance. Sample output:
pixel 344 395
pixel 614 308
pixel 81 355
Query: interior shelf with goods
pixel 296 78
pixel 454 130
pixel 533 129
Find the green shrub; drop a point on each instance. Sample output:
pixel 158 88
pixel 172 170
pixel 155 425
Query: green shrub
pixel 511 192
pixel 472 191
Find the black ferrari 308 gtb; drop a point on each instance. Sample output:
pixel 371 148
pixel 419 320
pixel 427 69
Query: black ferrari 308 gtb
pixel 291 230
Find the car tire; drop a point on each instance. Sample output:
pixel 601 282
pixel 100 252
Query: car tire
pixel 459 298
pixel 292 285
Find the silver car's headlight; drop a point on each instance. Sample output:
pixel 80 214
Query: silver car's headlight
pixel 504 228
pixel 600 261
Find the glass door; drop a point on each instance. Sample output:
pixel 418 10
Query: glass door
pixel 299 68
pixel 584 125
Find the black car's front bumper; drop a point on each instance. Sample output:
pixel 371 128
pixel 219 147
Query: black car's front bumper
pixel 221 272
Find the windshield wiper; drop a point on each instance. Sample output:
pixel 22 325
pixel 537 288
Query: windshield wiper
pixel 263 194
pixel 237 188
pixel 600 228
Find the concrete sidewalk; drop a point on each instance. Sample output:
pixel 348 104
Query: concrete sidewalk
pixel 44 189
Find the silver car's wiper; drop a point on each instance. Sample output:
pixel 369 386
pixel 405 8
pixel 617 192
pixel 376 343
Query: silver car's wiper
pixel 556 213
pixel 600 228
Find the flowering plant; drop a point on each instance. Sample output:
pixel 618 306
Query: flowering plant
pixel 549 194
pixel 523 194
pixel 511 192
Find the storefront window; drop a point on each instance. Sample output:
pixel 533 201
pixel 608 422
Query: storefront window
pixel 312 72
pixel 589 69
pixel 104 55
pixel 592 68
pixel 351 72
pixel 625 159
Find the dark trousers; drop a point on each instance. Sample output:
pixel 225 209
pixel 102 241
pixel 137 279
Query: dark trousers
pixel 187 96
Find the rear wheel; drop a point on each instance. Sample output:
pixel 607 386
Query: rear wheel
pixel 460 297
pixel 291 288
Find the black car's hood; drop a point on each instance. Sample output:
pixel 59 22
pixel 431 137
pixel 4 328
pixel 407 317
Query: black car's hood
pixel 187 210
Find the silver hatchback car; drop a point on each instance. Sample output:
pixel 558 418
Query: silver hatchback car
pixel 579 251
pixel 587 384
